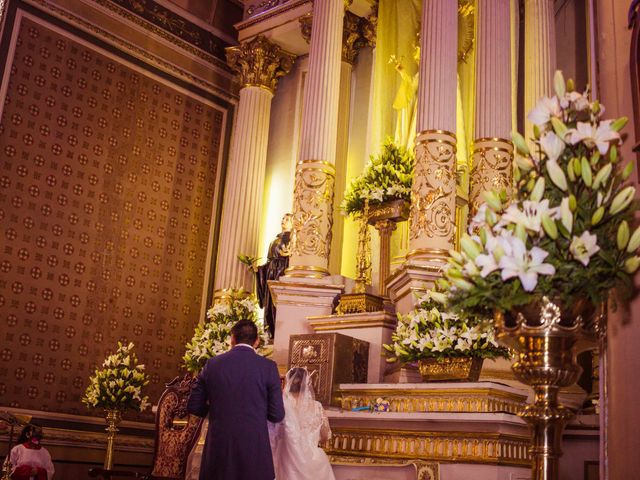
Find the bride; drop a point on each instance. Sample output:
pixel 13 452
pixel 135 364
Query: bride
pixel 294 441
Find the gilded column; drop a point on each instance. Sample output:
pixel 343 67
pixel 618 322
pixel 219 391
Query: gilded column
pixel 258 64
pixel 433 194
pixel 539 54
pixel 315 173
pixel 492 157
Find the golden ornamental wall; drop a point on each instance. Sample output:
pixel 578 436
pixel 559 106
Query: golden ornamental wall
pixel 108 181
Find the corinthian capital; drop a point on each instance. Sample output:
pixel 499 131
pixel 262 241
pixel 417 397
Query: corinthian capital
pixel 259 63
pixel 352 34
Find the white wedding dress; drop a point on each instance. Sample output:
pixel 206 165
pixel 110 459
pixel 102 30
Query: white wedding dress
pixel 294 441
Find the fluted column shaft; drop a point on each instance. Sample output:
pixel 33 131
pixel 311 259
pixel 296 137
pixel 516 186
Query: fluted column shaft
pixel 258 64
pixel 492 150
pixel 539 54
pixel 315 172
pixel 241 210
pixel 433 193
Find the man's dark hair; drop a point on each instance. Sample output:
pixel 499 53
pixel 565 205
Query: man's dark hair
pixel 29 431
pixel 245 331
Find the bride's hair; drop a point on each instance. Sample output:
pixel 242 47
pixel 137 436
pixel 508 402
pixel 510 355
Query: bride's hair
pixel 295 377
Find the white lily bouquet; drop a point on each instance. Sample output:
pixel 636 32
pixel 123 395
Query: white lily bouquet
pixel 386 177
pixel 214 336
pixel 432 331
pixel 565 234
pixel 118 384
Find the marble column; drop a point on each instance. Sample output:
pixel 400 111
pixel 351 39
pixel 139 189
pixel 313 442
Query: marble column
pixel 315 173
pixel 492 157
pixel 539 54
pixel 258 64
pixel 352 41
pixel 433 193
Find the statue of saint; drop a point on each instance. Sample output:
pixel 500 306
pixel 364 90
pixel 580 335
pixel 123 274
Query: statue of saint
pixel 405 102
pixel 277 262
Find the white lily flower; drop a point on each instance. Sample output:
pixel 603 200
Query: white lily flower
pixel 593 136
pixel 530 217
pixel 582 248
pixel 526 265
pixel 544 110
pixel 552 145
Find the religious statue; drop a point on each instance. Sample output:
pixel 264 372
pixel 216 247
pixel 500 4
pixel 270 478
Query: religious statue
pixel 405 102
pixel 277 262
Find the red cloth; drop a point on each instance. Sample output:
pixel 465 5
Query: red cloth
pixel 23 472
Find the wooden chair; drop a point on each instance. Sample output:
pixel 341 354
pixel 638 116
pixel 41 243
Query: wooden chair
pixel 176 434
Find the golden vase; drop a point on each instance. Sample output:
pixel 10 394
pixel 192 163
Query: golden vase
pixel 461 369
pixel 546 339
pixel 113 417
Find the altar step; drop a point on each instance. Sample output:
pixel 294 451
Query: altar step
pixel 447 431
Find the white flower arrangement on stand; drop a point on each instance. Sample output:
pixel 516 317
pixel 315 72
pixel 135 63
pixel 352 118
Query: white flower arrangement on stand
pixel 566 234
pixel 214 336
pixel 118 384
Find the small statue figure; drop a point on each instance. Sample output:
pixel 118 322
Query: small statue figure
pixel 277 263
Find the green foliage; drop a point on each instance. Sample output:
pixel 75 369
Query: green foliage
pixel 386 177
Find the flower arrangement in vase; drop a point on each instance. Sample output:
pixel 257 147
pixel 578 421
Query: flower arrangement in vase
pixel 213 337
pixel 445 345
pixel 118 384
pixel 545 262
pixel 117 387
pixel 386 177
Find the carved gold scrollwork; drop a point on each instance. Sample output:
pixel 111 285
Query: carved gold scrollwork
pixel 491 168
pixel 353 38
pixel 434 187
pixel 258 62
pixel 312 212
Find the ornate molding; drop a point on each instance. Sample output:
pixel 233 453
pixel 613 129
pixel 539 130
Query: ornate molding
pixel 263 6
pixel 370 25
pixel 461 447
pixel 492 168
pixel 352 34
pixel 259 63
pixel 424 470
pixel 434 187
pixel 312 213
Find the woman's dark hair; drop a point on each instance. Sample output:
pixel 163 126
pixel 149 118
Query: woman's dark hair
pixel 245 331
pixel 296 377
pixel 28 432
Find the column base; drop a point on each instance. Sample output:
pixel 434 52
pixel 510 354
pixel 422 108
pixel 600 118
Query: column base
pixel 295 301
pixel 409 282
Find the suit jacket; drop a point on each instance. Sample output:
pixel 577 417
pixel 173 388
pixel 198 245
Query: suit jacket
pixel 240 391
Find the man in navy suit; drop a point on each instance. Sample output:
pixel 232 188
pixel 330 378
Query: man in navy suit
pixel 240 391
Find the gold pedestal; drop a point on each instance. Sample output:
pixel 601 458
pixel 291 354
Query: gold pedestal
pixel 359 303
pixel 113 418
pixel 546 340
pixel 461 369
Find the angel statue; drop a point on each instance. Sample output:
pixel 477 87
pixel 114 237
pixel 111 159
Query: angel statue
pixel 405 102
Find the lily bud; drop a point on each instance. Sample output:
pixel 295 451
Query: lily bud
pixel 490 217
pixel 559 84
pixel 573 204
pixel 566 217
pixel 536 132
pixel 634 241
pixel 524 163
pixel 520 143
pixel 622 200
pixel 632 264
pixel 602 176
pixel 597 216
pixel 516 174
pixel 457 256
pixel 619 124
pixel 558 127
pixel 468 246
pixel 585 169
pixel 595 158
pixel 482 233
pixel 595 107
pixel 613 153
pixel 438 297
pixel 462 284
pixel 521 233
pixel 538 190
pixel 622 238
pixel 442 284
pixel 549 226
pixel 577 166
pixel 570 85
pixel 492 200
pixel 557 175
pixel 453 273
pixel 570 172
pixel 626 173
